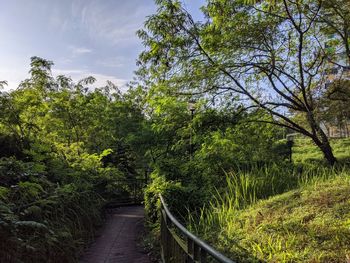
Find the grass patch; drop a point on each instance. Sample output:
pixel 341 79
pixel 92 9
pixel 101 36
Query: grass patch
pixel 304 150
pixel 308 224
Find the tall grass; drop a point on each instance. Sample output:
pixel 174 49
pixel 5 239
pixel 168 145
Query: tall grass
pixel 244 188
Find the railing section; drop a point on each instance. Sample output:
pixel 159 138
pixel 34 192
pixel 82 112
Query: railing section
pixel 185 249
pixel 128 192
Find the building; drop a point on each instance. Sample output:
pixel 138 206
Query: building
pixel 336 131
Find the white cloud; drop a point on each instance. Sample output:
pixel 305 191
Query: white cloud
pixel 65 60
pixel 116 23
pixel 101 79
pixel 82 32
pixel 76 51
pixel 13 77
pixel 12 85
pixel 57 19
pixel 114 62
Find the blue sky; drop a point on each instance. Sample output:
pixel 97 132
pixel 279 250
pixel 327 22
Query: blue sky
pixel 82 37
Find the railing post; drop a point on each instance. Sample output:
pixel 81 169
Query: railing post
pixel 190 249
pixel 203 256
pixel 195 252
pixel 135 198
pixel 166 238
pixel 162 252
pixel 163 236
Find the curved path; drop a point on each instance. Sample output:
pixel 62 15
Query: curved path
pixel 118 240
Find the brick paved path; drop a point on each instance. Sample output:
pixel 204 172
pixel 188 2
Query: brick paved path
pixel 118 240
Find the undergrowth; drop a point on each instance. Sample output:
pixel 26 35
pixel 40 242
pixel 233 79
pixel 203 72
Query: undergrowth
pixel 251 222
pixel 46 221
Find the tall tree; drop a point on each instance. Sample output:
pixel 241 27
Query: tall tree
pixel 268 58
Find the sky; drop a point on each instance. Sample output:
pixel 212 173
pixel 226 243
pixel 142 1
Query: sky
pixel 82 37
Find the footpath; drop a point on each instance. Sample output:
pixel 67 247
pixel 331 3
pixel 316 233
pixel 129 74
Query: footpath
pixel 117 242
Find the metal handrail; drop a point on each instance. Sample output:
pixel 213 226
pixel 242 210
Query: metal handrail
pixel 200 243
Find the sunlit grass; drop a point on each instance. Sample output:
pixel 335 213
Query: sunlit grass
pixel 305 150
pixel 306 224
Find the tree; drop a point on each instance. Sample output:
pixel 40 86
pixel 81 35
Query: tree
pixel 3 83
pixel 334 104
pixel 335 16
pixel 268 58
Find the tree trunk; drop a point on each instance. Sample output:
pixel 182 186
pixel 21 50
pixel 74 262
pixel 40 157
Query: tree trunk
pixel 325 147
pixel 327 153
pixel 322 141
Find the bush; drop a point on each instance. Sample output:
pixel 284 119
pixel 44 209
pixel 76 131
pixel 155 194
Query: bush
pixel 179 199
pixel 42 221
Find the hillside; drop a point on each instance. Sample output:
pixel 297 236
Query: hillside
pixel 310 224
pixel 304 150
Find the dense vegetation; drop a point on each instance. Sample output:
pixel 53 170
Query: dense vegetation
pixel 308 224
pixel 258 70
pixel 253 72
pixel 65 151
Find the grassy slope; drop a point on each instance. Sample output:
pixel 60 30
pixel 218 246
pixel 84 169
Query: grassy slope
pixel 307 225
pixel 305 150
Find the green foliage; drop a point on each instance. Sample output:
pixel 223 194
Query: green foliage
pixel 242 143
pixel 215 139
pixel 35 212
pixel 65 151
pixel 158 186
pixel 250 65
pixel 335 103
pixel 190 195
pixel 4 193
pixel 304 225
pixel 49 228
pixel 266 55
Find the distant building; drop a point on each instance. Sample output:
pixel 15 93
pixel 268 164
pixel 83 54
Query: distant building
pixel 333 73
pixel 336 131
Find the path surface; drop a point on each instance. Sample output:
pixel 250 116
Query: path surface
pixel 117 242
